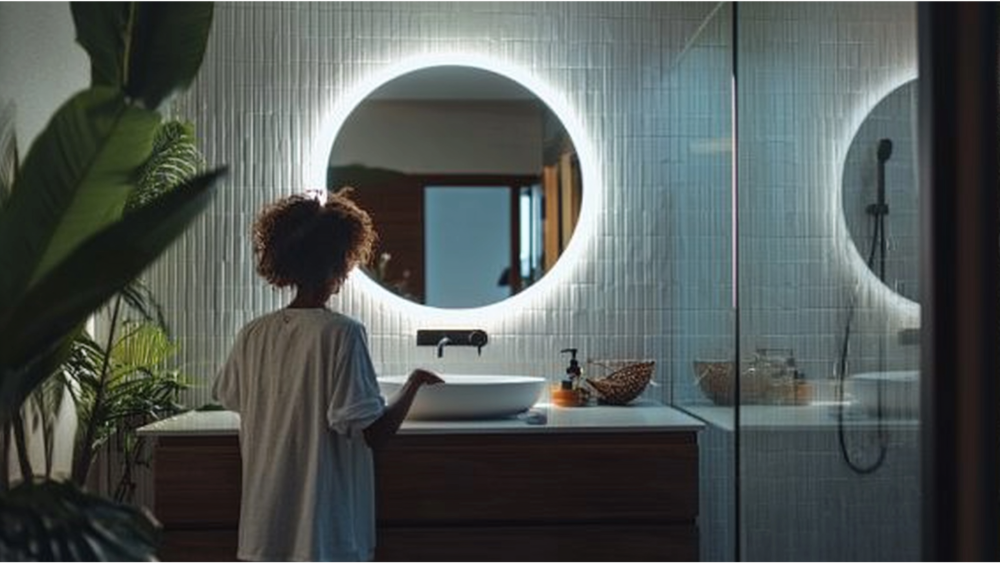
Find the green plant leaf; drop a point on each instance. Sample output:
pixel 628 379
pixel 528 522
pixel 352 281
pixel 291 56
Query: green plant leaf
pixel 94 272
pixel 146 345
pixel 57 521
pixel 18 381
pixel 149 49
pixel 47 400
pixel 101 29
pixel 172 37
pixel 74 180
pixel 136 390
pixel 174 160
pixel 141 301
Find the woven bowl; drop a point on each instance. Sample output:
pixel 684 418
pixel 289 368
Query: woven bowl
pixel 623 385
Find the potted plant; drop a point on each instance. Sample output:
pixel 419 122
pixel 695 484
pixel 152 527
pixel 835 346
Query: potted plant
pixel 116 389
pixel 124 382
pixel 67 247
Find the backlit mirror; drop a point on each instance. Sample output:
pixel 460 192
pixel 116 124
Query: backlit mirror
pixel 472 181
pixel 881 193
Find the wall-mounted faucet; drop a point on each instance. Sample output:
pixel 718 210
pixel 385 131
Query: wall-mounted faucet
pixel 452 337
pixel 441 344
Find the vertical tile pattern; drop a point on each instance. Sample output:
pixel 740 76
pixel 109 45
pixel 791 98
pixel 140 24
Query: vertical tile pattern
pixel 808 75
pixel 800 502
pixel 650 83
pixel 697 175
pixel 273 73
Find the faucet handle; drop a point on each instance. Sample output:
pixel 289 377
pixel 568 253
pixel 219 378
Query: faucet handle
pixel 478 338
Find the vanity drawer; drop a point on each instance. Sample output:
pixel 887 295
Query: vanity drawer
pixel 510 543
pixel 471 497
pixel 540 478
pixel 539 543
pixel 199 545
pixel 198 481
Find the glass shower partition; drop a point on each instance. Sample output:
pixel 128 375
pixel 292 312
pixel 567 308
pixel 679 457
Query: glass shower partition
pixel 699 173
pixel 828 433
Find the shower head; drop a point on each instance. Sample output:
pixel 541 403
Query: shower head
pixel 879 208
pixel 884 150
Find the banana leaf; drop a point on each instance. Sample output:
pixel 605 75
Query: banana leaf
pixel 100 267
pixel 101 29
pixel 75 179
pixel 65 249
pixel 148 49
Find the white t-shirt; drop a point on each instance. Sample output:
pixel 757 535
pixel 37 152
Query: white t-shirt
pixel 304 385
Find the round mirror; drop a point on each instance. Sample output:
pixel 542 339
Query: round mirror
pixel 881 191
pixel 473 183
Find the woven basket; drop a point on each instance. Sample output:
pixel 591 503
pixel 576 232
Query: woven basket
pixel 757 386
pixel 715 378
pixel 624 384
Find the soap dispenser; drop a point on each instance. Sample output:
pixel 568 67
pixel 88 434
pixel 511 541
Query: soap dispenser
pixel 569 392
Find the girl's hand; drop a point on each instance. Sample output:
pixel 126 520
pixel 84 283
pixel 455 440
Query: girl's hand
pixel 425 377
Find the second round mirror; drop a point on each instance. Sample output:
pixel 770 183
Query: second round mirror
pixel 880 191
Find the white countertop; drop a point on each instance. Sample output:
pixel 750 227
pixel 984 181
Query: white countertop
pixel 781 417
pixel 640 416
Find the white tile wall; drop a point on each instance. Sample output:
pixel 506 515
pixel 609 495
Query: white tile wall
pixel 809 73
pixel 650 82
pixel 800 501
pixel 275 71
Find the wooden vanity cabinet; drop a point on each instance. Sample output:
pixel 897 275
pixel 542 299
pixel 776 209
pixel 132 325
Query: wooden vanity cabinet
pixel 574 496
pixel 197 482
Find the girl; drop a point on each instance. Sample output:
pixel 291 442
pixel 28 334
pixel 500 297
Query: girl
pixel 304 385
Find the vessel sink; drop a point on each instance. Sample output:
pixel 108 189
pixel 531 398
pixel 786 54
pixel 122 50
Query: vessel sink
pixel 897 391
pixel 469 396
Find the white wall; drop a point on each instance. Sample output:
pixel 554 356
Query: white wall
pixel 276 72
pixel 807 75
pixel 655 278
pixel 649 83
pixel 41 66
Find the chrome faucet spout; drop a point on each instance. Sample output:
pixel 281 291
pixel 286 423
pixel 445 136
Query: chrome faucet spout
pixel 441 344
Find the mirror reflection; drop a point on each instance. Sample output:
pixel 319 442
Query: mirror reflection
pixel 881 192
pixel 472 181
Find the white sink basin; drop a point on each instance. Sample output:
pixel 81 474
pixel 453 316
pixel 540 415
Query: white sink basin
pixel 897 391
pixel 469 396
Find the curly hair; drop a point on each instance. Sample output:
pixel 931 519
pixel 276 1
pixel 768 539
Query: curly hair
pixel 301 242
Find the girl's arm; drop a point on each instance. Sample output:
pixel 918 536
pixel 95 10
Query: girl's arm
pixel 378 432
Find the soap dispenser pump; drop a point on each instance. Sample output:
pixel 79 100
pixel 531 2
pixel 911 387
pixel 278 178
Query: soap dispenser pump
pixel 569 393
pixel 573 371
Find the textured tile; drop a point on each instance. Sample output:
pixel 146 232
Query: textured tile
pixel 651 83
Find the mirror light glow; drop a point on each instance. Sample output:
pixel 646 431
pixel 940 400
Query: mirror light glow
pixel 589 169
pixel 908 308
